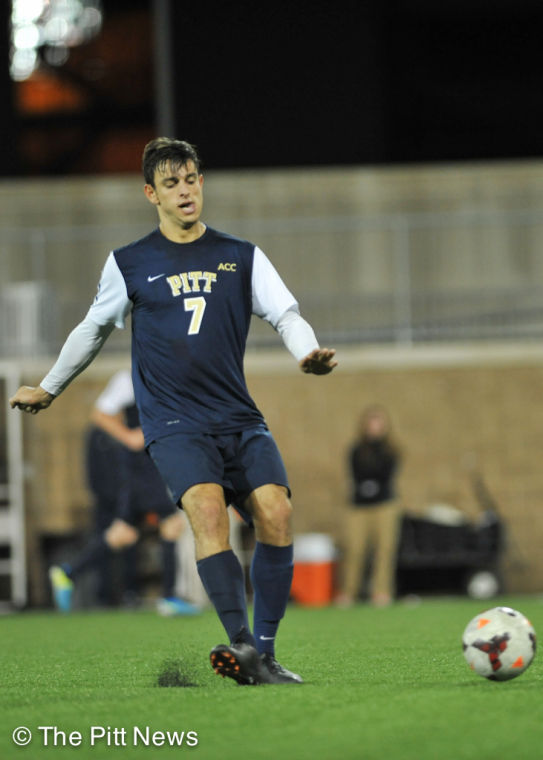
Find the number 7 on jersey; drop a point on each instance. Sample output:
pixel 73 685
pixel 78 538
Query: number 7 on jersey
pixel 197 306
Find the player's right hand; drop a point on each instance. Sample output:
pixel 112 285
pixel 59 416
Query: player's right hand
pixel 31 400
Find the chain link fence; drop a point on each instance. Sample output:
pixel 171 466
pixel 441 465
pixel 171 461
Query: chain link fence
pixel 393 278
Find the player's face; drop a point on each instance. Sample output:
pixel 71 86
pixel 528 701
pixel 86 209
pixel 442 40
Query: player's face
pixel 177 194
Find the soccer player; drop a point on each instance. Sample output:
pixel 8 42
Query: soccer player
pixel 138 490
pixel 191 291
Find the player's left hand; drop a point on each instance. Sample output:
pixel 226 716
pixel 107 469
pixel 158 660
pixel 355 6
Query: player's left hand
pixel 319 362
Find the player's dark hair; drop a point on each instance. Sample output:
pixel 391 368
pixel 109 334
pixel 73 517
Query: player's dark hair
pixel 167 150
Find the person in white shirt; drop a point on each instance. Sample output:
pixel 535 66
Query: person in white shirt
pixel 139 491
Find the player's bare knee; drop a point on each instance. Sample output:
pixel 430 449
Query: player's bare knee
pixel 206 510
pixel 280 514
pixel 207 515
pixel 273 519
pixel 212 517
pixel 120 535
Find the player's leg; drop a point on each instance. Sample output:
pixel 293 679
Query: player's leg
pixel 103 469
pixel 218 566
pixel 63 576
pixel 271 573
pixel 104 514
pixel 125 531
pixel 101 464
pixel 272 563
pixel 193 468
pixel 170 530
pixel 256 471
pixel 223 580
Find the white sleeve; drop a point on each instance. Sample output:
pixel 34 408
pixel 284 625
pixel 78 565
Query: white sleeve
pixel 111 304
pixel 298 335
pixel 80 348
pixel 271 297
pixel 117 395
pixel 274 302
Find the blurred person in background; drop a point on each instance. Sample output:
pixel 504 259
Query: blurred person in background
pixel 128 487
pixel 372 520
pixel 116 577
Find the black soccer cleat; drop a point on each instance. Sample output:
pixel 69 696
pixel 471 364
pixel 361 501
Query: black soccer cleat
pixel 239 661
pixel 274 672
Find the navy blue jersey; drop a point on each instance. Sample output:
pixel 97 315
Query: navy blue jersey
pixel 191 307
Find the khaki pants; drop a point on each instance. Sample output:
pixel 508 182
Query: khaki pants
pixel 375 528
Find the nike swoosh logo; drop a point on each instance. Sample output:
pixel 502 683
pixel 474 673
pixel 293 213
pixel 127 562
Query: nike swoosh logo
pixel 266 638
pixel 151 279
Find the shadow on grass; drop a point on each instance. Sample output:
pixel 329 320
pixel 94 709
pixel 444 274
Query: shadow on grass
pixel 173 674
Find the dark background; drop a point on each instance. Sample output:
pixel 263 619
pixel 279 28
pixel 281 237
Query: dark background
pixel 291 84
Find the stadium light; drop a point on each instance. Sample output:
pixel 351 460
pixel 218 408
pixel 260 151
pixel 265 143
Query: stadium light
pixel 51 25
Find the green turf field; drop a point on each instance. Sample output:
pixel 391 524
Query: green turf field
pixel 380 683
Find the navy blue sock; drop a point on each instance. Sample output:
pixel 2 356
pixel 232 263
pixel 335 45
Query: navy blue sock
pixel 271 576
pixel 169 567
pixel 223 580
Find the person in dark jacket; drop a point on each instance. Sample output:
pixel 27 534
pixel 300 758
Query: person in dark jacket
pixel 373 518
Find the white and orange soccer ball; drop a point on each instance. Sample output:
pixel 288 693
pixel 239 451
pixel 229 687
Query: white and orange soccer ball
pixel 499 644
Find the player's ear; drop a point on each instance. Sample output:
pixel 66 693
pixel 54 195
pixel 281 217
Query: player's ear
pixel 150 194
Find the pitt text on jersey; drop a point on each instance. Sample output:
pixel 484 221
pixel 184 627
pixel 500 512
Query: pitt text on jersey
pixel 189 282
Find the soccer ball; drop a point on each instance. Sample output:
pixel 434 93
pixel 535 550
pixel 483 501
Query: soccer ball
pixel 499 644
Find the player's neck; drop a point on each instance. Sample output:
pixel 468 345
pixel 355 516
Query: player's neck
pixel 179 234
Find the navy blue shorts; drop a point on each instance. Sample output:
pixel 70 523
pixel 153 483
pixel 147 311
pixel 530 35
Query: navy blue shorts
pixel 239 462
